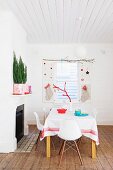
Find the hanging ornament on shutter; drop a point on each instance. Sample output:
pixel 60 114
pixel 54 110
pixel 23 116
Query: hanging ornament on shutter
pixel 87 72
pixel 85 95
pixel 49 92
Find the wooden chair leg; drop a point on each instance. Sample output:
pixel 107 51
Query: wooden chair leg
pixel 38 140
pixel 79 141
pixel 63 147
pixel 78 153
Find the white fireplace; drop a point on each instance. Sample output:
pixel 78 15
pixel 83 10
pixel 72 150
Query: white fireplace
pixel 8 141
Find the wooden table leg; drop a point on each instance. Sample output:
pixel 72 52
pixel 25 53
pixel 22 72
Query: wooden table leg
pixel 48 147
pixel 93 149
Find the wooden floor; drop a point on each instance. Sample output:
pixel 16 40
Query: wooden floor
pixel 36 160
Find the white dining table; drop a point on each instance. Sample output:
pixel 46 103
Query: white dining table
pixel 87 125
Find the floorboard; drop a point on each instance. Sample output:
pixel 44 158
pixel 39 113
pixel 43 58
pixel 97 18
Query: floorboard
pixel 36 160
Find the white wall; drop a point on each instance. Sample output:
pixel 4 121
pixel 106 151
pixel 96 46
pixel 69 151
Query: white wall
pixel 102 80
pixel 12 37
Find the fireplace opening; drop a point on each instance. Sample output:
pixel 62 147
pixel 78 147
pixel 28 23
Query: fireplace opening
pixel 19 122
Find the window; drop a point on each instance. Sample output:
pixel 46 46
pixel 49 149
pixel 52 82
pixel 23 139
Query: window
pixel 67 72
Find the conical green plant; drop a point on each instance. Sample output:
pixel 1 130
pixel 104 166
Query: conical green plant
pixel 19 71
pixel 25 75
pixel 15 68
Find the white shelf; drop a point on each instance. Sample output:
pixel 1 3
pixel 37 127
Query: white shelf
pixel 21 95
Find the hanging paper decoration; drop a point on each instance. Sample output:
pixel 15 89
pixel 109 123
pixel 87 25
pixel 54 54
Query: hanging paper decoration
pixel 63 90
pixel 84 88
pixel 87 72
pixel 49 92
pixel 48 72
pixel 85 69
pixel 85 81
pixel 85 95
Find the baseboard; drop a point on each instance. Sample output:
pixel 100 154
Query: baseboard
pixel 31 122
pixel 8 146
pixel 105 122
pixel 26 129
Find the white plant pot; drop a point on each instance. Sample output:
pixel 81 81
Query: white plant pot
pixel 18 89
pixel 25 89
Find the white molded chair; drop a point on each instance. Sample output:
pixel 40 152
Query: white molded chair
pixel 40 128
pixel 39 125
pixel 69 132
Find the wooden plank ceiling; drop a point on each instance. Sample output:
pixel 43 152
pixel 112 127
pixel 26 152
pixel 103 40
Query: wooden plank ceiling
pixel 65 21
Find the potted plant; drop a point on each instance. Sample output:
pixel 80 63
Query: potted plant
pixel 19 76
